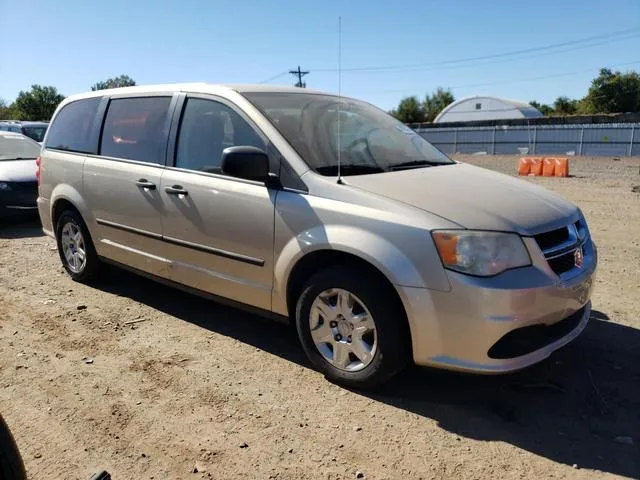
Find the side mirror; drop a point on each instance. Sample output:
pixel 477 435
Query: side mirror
pixel 250 163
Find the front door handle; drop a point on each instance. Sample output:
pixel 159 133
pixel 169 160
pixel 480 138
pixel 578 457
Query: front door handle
pixel 144 183
pixel 176 190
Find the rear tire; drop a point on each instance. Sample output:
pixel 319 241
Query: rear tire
pixel 335 306
pixel 77 253
pixel 11 466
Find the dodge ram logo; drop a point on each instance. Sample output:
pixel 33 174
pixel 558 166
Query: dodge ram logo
pixel 578 258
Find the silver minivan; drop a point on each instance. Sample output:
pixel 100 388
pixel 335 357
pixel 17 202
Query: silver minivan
pixel 323 210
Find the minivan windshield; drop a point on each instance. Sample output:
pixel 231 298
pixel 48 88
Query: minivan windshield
pixel 370 140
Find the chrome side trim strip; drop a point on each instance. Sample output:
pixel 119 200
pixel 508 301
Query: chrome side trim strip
pixel 183 243
pixel 125 228
pixel 216 251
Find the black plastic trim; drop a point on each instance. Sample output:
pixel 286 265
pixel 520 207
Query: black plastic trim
pixel 98 123
pixel 174 128
pixel 525 340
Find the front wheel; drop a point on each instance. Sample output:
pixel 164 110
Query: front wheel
pixel 352 328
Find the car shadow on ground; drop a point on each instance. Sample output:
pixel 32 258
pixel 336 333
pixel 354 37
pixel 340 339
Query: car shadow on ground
pixel 580 407
pixel 23 226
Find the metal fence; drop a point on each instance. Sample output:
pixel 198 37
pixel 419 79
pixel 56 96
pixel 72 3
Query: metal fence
pixel 621 139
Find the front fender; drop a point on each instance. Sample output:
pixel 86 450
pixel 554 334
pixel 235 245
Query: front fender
pixel 374 249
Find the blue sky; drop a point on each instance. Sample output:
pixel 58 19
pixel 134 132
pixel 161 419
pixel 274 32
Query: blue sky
pixel 72 44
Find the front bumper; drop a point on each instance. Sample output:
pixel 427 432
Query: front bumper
pixel 457 329
pixel 19 199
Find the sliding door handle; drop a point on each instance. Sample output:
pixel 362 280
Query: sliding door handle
pixel 144 183
pixel 176 190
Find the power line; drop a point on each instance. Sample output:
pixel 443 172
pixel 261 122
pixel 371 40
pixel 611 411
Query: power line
pixel 299 73
pixel 506 82
pixel 595 40
pixel 578 44
pixel 543 77
pixel 275 77
pixel 503 60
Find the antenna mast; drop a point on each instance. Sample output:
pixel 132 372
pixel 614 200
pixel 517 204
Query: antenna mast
pixel 339 97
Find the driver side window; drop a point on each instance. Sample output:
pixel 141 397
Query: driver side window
pixel 208 127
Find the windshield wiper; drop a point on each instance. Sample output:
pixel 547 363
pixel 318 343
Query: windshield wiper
pixel 349 169
pixel 21 158
pixel 414 164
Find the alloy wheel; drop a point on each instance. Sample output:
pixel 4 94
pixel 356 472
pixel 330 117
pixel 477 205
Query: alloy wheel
pixel 343 330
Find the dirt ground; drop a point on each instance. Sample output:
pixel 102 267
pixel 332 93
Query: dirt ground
pixel 197 390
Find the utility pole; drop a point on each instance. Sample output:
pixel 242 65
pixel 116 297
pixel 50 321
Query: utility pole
pixel 299 73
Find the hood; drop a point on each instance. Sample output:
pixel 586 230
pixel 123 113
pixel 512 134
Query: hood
pixel 473 197
pixel 18 170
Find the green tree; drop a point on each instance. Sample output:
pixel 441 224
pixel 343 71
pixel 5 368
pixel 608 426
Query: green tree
pixel 39 103
pixel 565 106
pixel 546 110
pixel 613 92
pixel 409 110
pixel 4 110
pixel 541 107
pixel 8 112
pixel 116 82
pixel 436 102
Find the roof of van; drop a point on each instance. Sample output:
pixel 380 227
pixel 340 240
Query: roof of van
pixel 195 87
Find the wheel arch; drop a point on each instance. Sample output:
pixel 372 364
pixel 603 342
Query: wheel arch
pixel 329 243
pixel 317 260
pixel 66 197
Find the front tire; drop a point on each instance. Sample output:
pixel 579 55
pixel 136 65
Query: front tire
pixel 77 253
pixel 352 328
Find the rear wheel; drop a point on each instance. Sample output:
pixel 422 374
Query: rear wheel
pixel 75 247
pixel 351 328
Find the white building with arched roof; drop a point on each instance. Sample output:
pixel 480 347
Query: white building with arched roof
pixel 482 107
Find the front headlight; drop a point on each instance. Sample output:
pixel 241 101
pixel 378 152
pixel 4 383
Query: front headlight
pixel 5 187
pixel 480 253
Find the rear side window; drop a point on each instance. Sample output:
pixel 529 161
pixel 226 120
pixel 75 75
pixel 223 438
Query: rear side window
pixel 136 129
pixel 72 129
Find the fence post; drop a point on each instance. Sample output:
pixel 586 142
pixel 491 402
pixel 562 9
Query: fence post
pixel 581 138
pixel 535 139
pixel 633 134
pixel 455 141
pixel 493 140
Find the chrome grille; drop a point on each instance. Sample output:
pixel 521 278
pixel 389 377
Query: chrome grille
pixel 563 263
pixel 551 239
pixel 559 246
